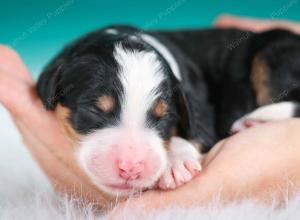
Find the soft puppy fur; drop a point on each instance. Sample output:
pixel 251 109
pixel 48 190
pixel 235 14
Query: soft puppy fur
pixel 139 106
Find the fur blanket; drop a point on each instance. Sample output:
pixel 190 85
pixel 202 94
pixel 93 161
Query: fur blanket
pixel 25 193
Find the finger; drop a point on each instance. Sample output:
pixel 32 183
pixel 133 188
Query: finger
pixel 15 80
pixel 255 25
pixel 11 62
pixel 229 21
pixel 13 92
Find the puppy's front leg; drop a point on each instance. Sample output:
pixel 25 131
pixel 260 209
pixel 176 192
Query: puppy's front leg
pixel 183 164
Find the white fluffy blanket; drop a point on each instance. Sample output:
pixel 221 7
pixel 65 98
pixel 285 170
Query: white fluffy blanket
pixel 25 193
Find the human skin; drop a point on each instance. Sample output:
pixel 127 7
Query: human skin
pixel 256 25
pixel 41 131
pixel 252 163
pixel 261 163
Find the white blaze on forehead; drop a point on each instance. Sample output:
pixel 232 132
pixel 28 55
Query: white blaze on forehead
pixel 141 75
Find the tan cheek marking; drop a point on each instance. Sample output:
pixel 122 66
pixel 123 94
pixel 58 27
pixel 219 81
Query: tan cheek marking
pixel 259 77
pixel 63 114
pixel 160 109
pixel 106 103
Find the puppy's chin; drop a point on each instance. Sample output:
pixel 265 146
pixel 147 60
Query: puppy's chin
pixel 122 189
pixel 120 164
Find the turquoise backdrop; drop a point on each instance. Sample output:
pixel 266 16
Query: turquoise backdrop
pixel 37 28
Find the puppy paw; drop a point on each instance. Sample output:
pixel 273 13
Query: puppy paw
pixel 244 123
pixel 183 164
pixel 263 114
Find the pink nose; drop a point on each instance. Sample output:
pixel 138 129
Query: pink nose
pixel 130 170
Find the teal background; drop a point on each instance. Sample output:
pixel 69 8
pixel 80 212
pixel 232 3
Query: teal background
pixel 37 28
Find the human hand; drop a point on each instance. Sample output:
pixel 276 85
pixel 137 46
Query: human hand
pixel 256 25
pixel 261 163
pixel 257 163
pixel 55 155
pixel 41 130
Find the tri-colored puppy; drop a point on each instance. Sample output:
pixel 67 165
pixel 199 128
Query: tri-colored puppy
pixel 139 106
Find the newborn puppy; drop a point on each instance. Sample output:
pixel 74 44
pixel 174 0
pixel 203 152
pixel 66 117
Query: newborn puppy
pixel 139 106
pixel 118 94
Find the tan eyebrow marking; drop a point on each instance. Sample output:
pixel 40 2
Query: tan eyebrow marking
pixel 160 108
pixel 106 103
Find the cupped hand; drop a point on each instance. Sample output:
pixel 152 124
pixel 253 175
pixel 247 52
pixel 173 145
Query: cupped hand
pixel 261 163
pixel 252 163
pixel 41 131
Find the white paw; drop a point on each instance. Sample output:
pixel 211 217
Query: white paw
pixel 244 123
pixel 272 112
pixel 183 164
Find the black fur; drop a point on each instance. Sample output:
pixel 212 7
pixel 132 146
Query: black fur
pixel 87 69
pixel 223 59
pixel 215 65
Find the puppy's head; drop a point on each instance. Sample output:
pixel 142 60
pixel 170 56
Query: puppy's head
pixel 119 104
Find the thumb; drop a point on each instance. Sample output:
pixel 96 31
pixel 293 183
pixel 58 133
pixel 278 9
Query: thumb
pixel 11 62
pixel 14 92
pixel 16 84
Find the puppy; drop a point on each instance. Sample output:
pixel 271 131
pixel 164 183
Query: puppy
pixel 139 106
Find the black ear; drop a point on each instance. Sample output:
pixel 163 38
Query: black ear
pixel 195 118
pixel 48 85
pixel 183 111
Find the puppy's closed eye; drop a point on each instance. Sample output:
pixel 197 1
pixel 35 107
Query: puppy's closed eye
pixel 106 103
